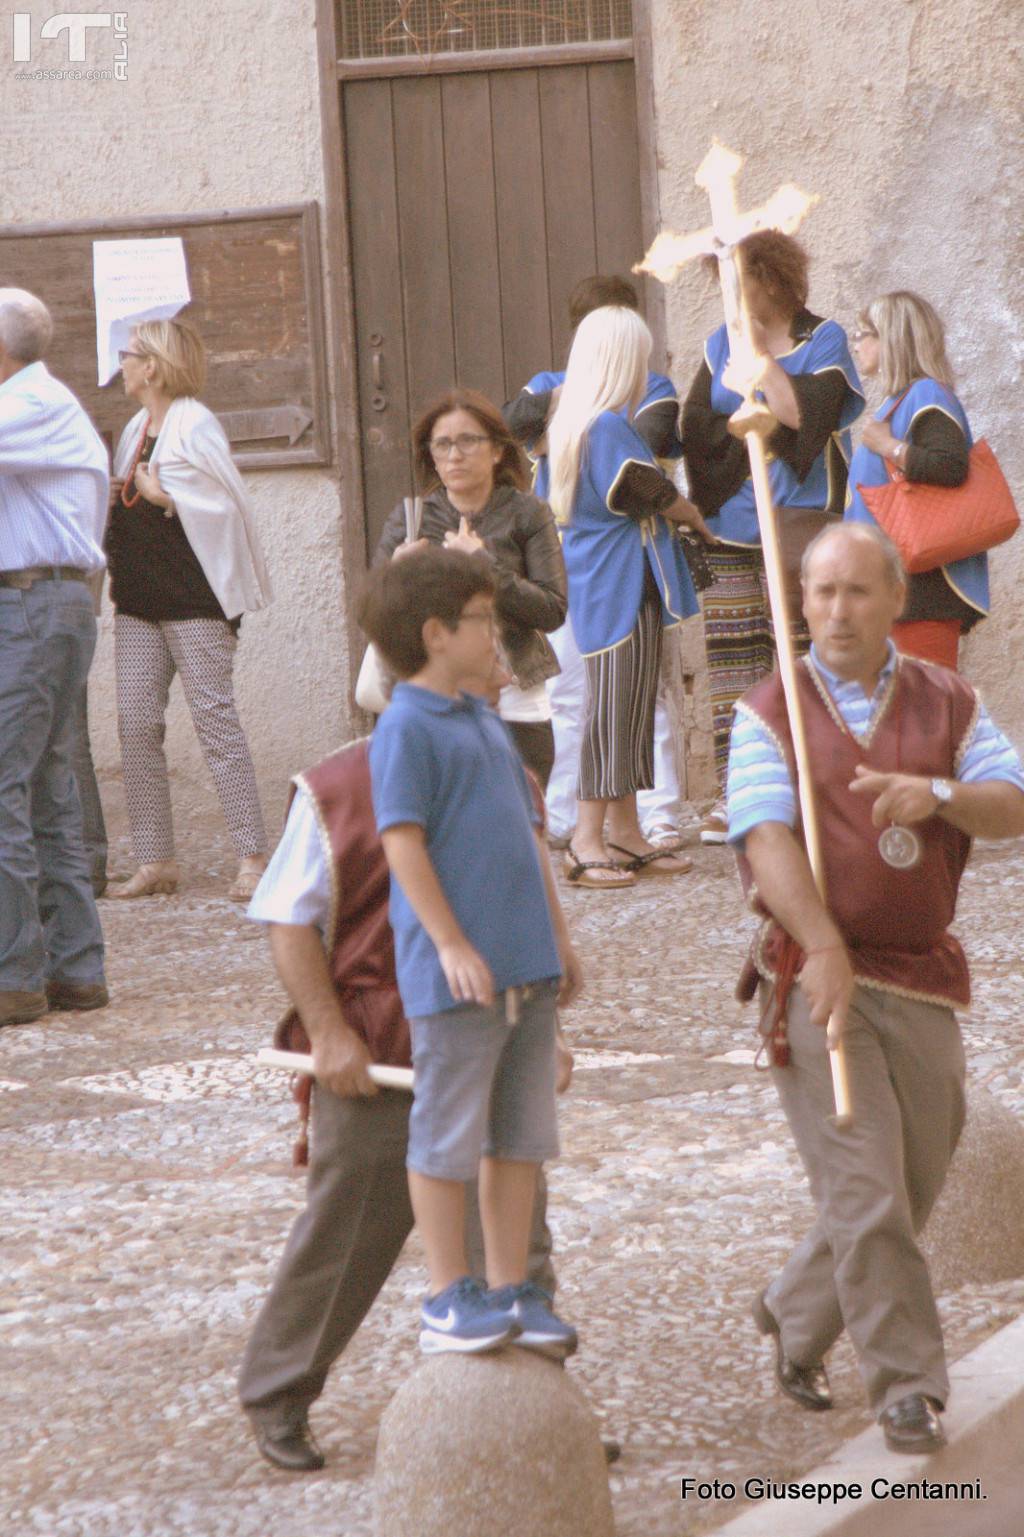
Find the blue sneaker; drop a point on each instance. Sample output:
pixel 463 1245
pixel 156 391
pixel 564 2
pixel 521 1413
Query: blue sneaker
pixel 529 1306
pixel 463 1318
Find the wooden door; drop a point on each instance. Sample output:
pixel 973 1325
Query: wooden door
pixel 476 202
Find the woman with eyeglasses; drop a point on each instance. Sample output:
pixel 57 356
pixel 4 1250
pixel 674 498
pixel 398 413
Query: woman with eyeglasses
pixel 185 564
pixel 628 580
pixel 921 431
pixel 475 478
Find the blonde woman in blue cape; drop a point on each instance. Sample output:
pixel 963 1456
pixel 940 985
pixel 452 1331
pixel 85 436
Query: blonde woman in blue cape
pixel 921 430
pixel 628 581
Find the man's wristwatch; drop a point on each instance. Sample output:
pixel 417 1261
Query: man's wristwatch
pixel 943 792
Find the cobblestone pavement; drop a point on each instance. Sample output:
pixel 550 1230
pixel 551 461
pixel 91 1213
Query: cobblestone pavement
pixel 147 1194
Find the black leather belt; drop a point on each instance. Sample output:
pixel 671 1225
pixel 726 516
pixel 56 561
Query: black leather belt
pixel 32 574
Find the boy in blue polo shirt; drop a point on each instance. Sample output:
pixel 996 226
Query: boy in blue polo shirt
pixel 477 950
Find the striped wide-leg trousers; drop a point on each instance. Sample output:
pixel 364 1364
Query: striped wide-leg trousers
pixel 617 752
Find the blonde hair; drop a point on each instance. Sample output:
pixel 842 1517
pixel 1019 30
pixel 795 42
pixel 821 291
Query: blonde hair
pixel 911 341
pixel 178 352
pixel 607 369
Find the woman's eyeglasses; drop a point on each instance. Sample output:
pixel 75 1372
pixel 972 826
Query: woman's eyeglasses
pixel 126 354
pixel 466 443
pixel 863 336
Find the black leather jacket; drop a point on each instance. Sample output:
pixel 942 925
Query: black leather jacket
pixel 519 534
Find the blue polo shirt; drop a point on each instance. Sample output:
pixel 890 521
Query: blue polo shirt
pixel 449 766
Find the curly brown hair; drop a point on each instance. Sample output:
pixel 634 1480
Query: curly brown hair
pixel 510 469
pixel 779 264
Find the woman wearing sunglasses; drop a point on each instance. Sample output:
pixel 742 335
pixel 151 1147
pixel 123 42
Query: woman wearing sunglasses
pixel 185 564
pixel 475 477
pixel 921 431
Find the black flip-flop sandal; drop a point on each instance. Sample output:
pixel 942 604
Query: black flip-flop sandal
pixel 640 864
pixel 575 871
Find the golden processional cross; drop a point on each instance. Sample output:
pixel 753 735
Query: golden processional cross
pixel 754 422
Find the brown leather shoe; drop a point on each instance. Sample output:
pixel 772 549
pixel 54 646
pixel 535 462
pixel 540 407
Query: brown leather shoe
pixel 805 1385
pixel 289 1446
pixel 913 1425
pixel 21 1008
pixel 76 995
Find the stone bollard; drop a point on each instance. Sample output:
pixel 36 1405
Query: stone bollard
pixel 975 1236
pixel 501 1445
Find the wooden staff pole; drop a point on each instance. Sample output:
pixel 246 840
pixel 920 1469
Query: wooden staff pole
pixel 753 422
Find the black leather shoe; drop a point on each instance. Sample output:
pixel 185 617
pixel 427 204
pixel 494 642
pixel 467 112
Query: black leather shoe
pixel 76 995
pixel 913 1425
pixel 290 1447
pixel 805 1385
pixel 611 1448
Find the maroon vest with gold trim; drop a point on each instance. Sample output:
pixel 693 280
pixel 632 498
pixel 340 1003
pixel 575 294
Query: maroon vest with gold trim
pixel 895 922
pixel 358 938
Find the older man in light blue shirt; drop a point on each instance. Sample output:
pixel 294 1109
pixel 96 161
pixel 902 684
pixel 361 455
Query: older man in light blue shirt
pixel 908 767
pixel 54 487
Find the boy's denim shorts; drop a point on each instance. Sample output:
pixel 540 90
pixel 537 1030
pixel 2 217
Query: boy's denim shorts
pixel 484 1088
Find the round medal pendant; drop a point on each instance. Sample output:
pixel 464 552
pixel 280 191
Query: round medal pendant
pixel 900 847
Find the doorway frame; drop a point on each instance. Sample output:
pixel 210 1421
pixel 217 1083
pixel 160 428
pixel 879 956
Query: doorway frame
pixel 338 276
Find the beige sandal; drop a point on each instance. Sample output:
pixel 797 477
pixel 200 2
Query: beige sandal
pixel 250 873
pixel 156 880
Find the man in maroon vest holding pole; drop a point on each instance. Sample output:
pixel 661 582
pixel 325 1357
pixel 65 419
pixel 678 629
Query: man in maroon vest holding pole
pixel 907 768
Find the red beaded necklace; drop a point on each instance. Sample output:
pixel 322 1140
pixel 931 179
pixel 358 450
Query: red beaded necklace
pixel 130 501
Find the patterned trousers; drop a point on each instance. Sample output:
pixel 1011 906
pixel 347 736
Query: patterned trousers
pixel 739 636
pixel 202 652
pixel 617 751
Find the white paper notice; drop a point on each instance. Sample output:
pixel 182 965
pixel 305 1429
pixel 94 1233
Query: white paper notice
pixel 134 280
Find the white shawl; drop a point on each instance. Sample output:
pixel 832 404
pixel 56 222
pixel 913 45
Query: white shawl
pixel 193 459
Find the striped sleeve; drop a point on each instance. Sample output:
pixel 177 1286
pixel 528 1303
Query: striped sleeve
pixel 989 755
pixel 758 788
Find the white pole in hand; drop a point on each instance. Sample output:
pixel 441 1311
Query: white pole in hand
pixel 302 1062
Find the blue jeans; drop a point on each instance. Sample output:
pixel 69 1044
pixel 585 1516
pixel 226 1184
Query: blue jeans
pixel 94 828
pixel 49 926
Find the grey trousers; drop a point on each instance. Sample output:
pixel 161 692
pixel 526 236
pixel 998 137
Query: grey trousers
pixel 342 1248
pixel 873 1185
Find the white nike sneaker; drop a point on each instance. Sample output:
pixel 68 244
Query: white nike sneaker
pixel 462 1318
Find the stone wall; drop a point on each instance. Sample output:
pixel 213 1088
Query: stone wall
pixel 220 110
pixel 906 120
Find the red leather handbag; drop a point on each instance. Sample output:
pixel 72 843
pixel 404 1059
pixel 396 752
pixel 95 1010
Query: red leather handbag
pixel 935 525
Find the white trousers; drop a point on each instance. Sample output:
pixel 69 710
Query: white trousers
pixel 567 693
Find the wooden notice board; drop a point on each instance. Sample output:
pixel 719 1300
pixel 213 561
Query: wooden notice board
pixel 254 277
